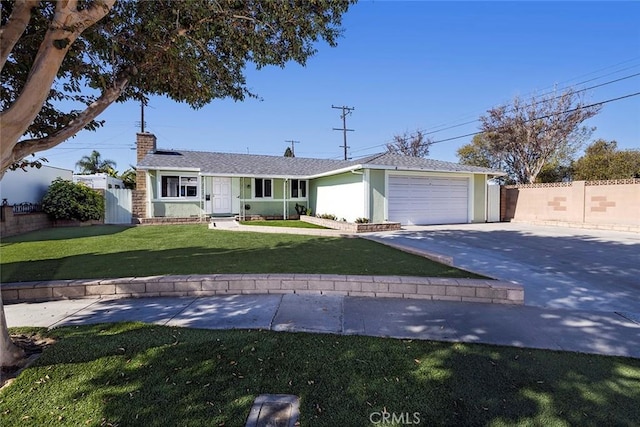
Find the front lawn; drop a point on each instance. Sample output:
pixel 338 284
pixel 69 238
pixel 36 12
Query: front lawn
pixel 130 374
pixel 118 251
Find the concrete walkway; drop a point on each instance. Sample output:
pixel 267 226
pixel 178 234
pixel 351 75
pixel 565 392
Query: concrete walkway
pixel 520 326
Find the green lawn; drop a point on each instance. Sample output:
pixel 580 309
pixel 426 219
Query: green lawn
pixel 283 223
pixel 116 251
pixel 131 374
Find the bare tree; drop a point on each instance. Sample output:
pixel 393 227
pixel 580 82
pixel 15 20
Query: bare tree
pixel 414 145
pixel 526 135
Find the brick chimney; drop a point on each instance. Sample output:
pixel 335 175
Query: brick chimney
pixel 145 144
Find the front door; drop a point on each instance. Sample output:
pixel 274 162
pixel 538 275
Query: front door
pixel 221 195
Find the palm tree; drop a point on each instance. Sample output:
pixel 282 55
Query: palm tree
pixel 93 163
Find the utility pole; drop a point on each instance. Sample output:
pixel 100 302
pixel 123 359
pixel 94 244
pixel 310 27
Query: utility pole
pixel 345 112
pixel 293 151
pixel 142 122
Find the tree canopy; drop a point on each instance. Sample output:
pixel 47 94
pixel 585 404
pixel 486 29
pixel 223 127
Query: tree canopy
pixel 603 160
pixel 414 145
pixel 94 163
pixel 62 63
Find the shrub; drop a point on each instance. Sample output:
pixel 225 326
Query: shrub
pixel 362 220
pixel 67 200
pixel 328 216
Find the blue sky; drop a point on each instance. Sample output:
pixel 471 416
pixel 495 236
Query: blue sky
pixel 404 66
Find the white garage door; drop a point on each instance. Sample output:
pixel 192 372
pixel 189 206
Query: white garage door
pixel 417 200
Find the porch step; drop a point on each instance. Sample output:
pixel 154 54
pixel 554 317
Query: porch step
pixel 223 222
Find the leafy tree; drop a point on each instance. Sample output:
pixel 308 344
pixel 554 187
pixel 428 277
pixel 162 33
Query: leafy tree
pixel 288 152
pixel 94 163
pixel 526 135
pixel 415 145
pixel 68 200
pixel 555 171
pixel 602 160
pixel 128 178
pixel 478 153
pixel 92 53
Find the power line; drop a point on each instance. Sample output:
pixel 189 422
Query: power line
pixel 548 115
pixel 535 118
pixel 425 131
pixel 538 102
pixel 555 88
pixel 535 103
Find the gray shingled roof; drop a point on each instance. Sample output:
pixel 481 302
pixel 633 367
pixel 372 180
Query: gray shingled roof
pixel 421 163
pixel 259 165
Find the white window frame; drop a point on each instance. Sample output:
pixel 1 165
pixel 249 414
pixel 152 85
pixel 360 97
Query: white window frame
pixel 305 189
pixel 185 183
pixel 262 188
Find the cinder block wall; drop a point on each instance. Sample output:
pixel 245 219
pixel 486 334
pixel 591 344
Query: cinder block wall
pixel 601 204
pixel 11 224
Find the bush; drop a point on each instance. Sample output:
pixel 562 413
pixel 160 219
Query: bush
pixel 328 216
pixel 362 220
pixel 67 200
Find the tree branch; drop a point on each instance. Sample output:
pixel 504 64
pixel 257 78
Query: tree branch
pixel 109 96
pixel 57 40
pixel 14 28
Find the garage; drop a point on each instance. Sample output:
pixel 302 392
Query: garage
pixel 421 200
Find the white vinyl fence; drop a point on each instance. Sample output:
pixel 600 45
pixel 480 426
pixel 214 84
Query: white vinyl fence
pixel 117 206
pixel 493 203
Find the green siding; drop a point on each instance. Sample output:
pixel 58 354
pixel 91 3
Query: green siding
pixel 176 209
pixel 479 197
pixel 377 195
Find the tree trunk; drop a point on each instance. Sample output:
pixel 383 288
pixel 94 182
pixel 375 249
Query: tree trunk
pixel 10 354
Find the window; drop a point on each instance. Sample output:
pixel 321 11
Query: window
pixel 263 188
pixel 298 188
pixel 179 186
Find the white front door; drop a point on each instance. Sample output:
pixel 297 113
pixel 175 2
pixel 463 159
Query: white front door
pixel 221 195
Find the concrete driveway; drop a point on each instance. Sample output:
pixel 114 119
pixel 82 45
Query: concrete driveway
pixel 563 268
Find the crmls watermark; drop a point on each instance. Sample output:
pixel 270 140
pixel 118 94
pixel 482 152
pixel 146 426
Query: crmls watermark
pixel 398 418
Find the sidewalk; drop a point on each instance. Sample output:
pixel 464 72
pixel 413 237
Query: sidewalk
pixel 521 326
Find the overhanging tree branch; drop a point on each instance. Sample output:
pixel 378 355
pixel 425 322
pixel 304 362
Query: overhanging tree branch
pixel 14 28
pixel 67 25
pixel 109 96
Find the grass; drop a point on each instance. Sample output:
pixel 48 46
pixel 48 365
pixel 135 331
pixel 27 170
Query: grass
pixel 117 251
pixel 134 374
pixel 283 223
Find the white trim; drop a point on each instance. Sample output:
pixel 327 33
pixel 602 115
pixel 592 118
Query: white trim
pixel 163 170
pixel 148 191
pixel 290 188
pixel 366 181
pixel 253 189
pixel 197 197
pixel 335 172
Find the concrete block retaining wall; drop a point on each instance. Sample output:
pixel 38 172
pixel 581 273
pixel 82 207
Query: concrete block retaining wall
pixel 350 226
pixel 469 290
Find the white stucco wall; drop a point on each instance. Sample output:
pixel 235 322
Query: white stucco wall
pixel 341 195
pixel 29 186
